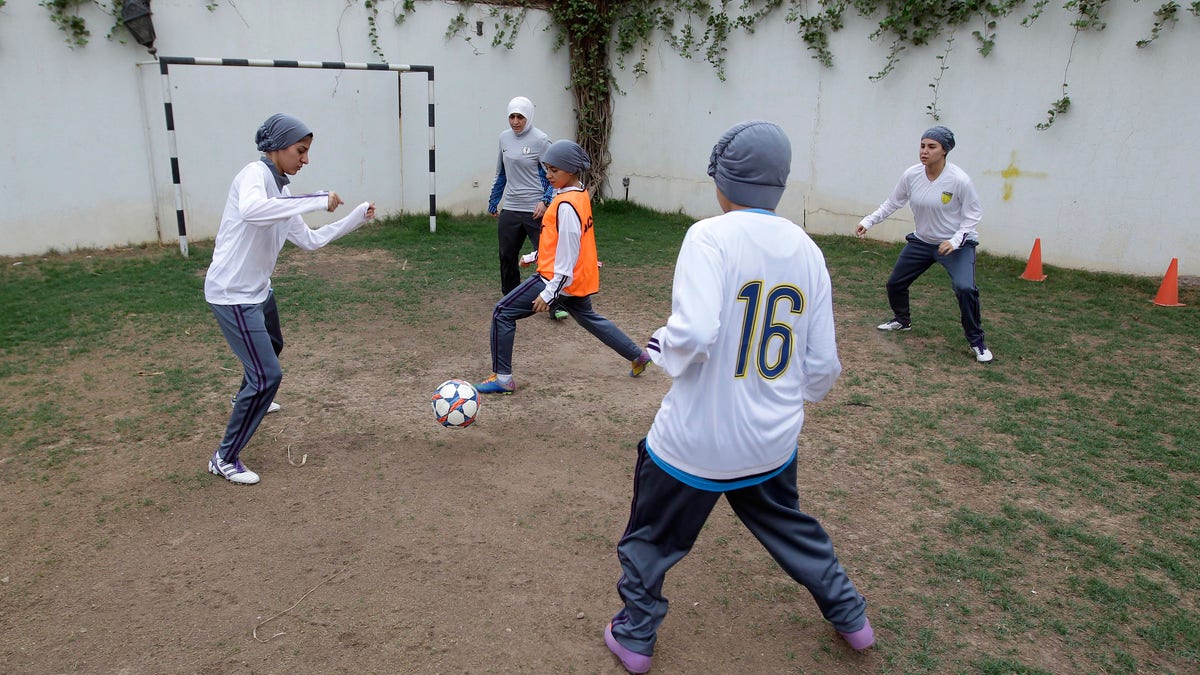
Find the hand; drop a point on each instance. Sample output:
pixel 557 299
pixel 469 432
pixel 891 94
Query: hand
pixel 334 201
pixel 494 214
pixel 370 214
pixel 860 231
pixel 945 248
pixel 540 305
pixel 539 210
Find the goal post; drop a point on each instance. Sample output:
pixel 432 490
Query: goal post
pixel 165 63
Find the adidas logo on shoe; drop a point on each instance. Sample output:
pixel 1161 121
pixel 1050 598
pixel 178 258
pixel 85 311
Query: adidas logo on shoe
pixel 234 472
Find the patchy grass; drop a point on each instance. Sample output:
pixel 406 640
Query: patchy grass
pixel 1051 497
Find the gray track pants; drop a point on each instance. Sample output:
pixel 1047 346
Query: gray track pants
pixel 666 517
pixel 252 332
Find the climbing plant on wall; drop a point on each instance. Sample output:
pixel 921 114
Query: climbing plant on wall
pixel 65 15
pixel 606 33
pixel 602 34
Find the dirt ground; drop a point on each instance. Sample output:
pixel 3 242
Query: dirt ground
pixel 380 542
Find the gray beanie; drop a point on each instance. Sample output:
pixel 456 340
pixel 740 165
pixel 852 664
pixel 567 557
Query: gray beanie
pixel 280 130
pixel 750 164
pixel 568 156
pixel 941 135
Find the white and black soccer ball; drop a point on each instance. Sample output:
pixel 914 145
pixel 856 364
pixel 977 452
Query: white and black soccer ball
pixel 455 403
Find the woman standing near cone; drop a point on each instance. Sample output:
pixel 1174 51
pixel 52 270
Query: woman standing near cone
pixel 947 212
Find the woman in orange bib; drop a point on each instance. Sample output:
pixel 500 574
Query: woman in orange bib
pixel 567 273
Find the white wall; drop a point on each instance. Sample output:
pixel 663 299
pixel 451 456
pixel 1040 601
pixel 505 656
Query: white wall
pixel 1110 186
pixel 84 159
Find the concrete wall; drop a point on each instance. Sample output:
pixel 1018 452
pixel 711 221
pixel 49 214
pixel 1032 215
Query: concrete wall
pixel 85 160
pixel 85 157
pixel 1108 187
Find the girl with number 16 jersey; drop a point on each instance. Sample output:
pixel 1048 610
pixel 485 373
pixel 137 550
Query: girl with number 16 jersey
pixel 749 340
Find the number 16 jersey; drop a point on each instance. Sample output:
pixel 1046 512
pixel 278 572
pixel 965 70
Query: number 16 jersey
pixel 749 339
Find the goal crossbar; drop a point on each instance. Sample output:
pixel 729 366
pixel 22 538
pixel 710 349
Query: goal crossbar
pixel 165 63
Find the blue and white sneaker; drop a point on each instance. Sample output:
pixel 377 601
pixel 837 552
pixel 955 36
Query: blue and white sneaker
pixel 234 472
pixel 493 385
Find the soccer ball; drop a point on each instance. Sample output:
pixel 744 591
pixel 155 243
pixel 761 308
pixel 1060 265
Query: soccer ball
pixel 455 403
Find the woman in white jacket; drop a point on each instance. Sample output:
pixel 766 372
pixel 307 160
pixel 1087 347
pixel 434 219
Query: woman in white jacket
pixel 260 215
pixel 946 209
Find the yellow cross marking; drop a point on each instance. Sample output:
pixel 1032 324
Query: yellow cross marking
pixel 1010 173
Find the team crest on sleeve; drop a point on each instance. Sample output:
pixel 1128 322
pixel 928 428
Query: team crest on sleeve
pixel 946 197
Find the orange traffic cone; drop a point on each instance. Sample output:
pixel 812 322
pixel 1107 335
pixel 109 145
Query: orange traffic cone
pixel 1033 269
pixel 1168 291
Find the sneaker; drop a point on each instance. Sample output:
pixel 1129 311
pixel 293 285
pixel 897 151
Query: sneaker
pixel 234 473
pixel 274 407
pixel 895 324
pixel 981 352
pixel 633 662
pixel 638 365
pixel 493 385
pixel 860 639
pixel 559 314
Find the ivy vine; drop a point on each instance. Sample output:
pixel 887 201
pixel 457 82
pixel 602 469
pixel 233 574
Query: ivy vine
pixel 595 32
pixel 65 15
pixel 700 29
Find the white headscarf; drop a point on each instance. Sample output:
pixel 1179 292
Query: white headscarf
pixel 524 107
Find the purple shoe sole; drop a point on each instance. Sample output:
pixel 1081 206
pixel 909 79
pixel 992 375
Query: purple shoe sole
pixel 633 662
pixel 860 639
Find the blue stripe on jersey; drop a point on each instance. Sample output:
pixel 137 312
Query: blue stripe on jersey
pixel 710 485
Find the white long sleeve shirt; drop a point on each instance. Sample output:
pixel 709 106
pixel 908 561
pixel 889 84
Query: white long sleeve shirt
pixel 258 218
pixel 945 209
pixel 749 340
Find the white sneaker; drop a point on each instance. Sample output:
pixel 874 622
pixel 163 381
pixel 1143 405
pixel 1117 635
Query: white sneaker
pixel 274 407
pixel 234 473
pixel 894 324
pixel 981 352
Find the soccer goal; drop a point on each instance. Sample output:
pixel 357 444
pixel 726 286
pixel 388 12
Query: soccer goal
pixel 165 63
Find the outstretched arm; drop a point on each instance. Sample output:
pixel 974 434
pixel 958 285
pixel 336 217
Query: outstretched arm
pixel 894 202
pixel 309 239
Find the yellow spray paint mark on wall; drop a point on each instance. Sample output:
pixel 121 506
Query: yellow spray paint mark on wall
pixel 1010 174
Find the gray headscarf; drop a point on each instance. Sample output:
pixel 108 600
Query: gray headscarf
pixel 280 131
pixel 568 156
pixel 750 164
pixel 941 135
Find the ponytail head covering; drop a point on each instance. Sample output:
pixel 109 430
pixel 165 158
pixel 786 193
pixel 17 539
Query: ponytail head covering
pixel 280 131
